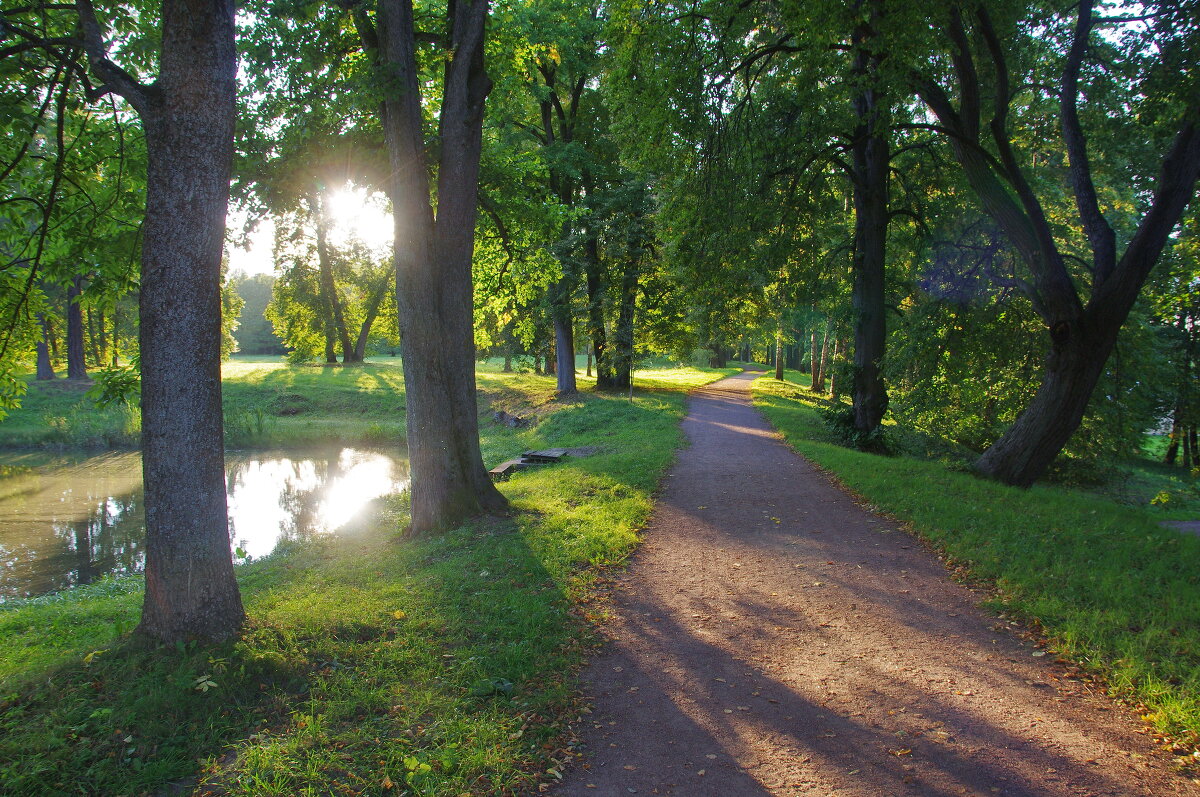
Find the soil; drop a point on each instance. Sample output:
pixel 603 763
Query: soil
pixel 773 637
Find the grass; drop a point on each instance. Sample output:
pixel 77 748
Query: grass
pixel 271 404
pixel 372 664
pixel 1108 587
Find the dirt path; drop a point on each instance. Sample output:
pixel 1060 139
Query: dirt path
pixel 774 638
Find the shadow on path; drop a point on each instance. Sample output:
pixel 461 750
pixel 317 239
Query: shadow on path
pixel 773 638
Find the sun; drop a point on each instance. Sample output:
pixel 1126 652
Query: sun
pixel 360 214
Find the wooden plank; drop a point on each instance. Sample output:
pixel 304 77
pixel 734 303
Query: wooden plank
pixel 506 469
pixel 546 455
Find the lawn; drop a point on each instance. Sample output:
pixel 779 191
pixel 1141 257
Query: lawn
pixel 372 663
pixel 1112 591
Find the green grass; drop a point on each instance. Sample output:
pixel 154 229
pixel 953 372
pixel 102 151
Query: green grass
pixel 1109 588
pixel 441 666
pixel 271 404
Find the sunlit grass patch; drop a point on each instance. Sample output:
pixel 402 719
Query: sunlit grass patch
pixel 1110 588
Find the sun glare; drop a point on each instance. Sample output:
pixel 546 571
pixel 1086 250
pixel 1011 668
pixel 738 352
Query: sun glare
pixel 359 214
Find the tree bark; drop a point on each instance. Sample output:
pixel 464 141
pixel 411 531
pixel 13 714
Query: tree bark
pixel 45 370
pixel 1029 446
pixel 623 331
pixel 76 367
pixel 372 310
pixel 779 350
pixel 605 379
pixel 814 367
pixel 188 117
pixel 564 338
pixel 433 262
pixel 869 163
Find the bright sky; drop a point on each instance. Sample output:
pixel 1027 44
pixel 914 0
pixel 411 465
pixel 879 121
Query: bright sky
pixel 357 214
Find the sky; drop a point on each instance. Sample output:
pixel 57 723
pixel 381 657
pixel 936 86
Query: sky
pixel 356 213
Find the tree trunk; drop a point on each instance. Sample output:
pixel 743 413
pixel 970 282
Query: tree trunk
pixel 507 363
pixel 116 341
pixel 869 158
pixel 564 338
pixel 372 310
pixel 45 370
pixel 76 368
pixel 623 332
pixel 1072 369
pixel 779 350
pixel 719 357
pixel 433 263
pixel 596 330
pixel 335 318
pixel 1173 439
pixel 188 118
pixel 835 382
pixel 589 361
pixel 823 373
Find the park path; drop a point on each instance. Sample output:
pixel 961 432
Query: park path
pixel 772 637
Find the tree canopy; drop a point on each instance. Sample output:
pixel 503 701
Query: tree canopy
pixel 971 217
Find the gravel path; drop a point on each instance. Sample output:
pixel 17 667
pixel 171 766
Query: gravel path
pixel 771 637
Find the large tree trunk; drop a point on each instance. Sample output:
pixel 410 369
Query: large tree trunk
pixel 1073 367
pixel 595 296
pixel 188 117
pixel 433 263
pixel 76 367
pixel 45 370
pixel 869 157
pixel 564 338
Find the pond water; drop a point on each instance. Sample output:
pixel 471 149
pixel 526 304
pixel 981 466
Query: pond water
pixel 67 520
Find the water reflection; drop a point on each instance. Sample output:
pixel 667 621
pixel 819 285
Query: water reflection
pixel 66 521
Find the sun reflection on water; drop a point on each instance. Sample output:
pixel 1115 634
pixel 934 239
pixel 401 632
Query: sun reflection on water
pixel 67 521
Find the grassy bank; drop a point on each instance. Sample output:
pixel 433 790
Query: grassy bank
pixel 271 404
pixel 371 664
pixel 1109 588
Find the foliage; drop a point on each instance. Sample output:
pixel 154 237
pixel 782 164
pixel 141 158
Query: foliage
pixel 254 333
pixel 116 385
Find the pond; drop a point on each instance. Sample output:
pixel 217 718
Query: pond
pixel 68 520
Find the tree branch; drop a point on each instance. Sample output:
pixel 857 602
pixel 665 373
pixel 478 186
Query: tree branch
pixel 1100 234
pixel 115 78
